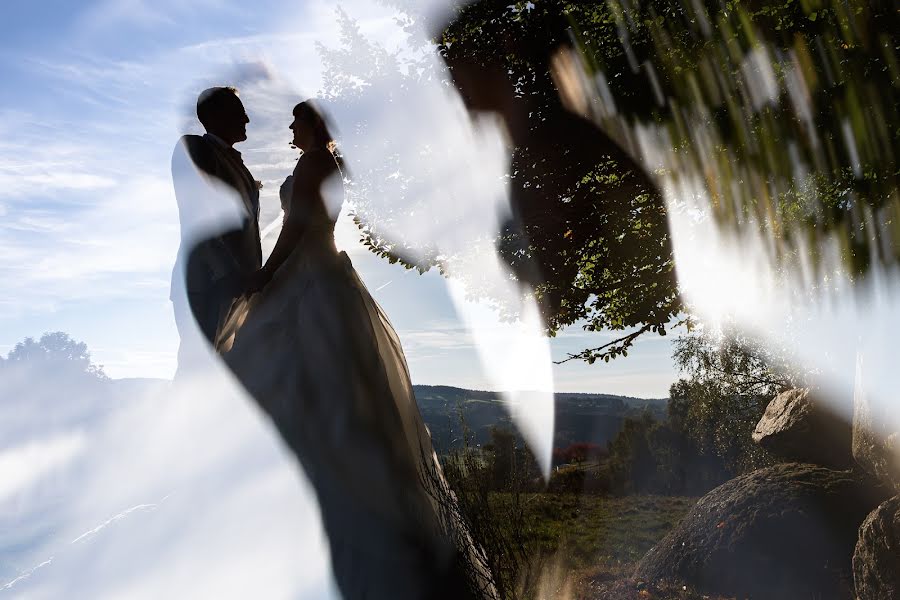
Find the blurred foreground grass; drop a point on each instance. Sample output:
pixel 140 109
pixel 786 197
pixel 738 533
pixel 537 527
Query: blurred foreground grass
pixel 590 544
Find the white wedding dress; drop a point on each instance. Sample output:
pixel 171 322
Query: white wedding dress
pixel 322 360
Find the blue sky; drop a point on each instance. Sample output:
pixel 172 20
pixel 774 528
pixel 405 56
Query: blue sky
pixel 96 93
pixel 118 499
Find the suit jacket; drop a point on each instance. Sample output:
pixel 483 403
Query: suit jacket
pixel 218 208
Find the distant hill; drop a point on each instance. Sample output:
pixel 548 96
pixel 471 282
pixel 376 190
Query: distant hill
pixel 595 418
pixel 592 418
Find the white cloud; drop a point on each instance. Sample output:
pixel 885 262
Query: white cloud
pixel 43 181
pixel 435 339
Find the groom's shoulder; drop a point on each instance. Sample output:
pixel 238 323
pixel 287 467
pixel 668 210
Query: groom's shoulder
pixel 193 143
pixel 197 147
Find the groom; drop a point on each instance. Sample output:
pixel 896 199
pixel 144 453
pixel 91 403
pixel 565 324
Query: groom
pixel 218 209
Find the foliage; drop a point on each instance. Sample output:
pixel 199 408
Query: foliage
pixel 529 534
pixel 787 113
pixel 632 463
pixel 512 465
pixel 594 536
pixel 649 456
pixel 578 452
pixel 731 380
pixel 706 440
pixel 594 530
pixel 736 363
pixel 590 231
pixel 356 73
pixel 587 238
pixel 568 479
pixel 527 531
pixel 795 100
pixel 499 528
pixel 54 353
pixel 782 97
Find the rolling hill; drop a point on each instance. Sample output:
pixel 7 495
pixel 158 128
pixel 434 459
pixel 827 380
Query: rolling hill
pixel 594 418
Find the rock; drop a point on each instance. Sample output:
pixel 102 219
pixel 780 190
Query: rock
pixel 800 428
pixel 786 531
pixel 875 447
pixel 876 562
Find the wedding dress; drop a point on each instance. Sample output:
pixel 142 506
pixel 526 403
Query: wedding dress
pixel 322 360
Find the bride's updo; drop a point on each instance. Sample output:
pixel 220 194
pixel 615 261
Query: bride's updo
pixel 307 113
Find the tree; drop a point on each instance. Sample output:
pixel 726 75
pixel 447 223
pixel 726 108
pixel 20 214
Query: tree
pixel 731 378
pixel 785 113
pixel 578 452
pixel 632 461
pixel 490 484
pixel 587 238
pixel 54 353
pixel 768 107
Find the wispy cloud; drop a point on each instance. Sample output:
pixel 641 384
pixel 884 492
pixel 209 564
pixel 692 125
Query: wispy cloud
pixel 116 13
pixel 436 337
pixel 111 15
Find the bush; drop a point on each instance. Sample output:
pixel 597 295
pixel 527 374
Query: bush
pixel 491 484
pixel 567 480
pixel 579 452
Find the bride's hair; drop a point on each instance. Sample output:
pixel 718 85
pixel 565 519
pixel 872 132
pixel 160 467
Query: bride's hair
pixel 307 112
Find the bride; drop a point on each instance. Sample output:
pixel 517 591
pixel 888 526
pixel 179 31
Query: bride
pixel 322 360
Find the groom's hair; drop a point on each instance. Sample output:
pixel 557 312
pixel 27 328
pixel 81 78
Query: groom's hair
pixel 210 103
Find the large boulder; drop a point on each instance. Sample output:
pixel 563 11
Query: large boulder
pixel 799 427
pixel 876 443
pixel 876 562
pixel 786 531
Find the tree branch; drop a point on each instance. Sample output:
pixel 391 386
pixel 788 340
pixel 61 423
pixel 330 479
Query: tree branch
pixel 595 353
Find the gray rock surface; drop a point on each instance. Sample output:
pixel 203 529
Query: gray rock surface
pixel 799 427
pixel 876 562
pixel 786 531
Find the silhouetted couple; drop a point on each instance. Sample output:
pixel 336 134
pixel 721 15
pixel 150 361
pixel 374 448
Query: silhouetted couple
pixel 319 356
pixel 317 353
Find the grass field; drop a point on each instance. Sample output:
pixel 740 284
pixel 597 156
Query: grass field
pixel 589 543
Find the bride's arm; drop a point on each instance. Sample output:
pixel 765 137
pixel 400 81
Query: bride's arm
pixel 291 232
pixel 305 189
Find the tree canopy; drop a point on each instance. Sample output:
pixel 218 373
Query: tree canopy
pixel 787 114
pixel 55 354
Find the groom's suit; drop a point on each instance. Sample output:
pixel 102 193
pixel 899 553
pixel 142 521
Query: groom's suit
pixel 218 208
